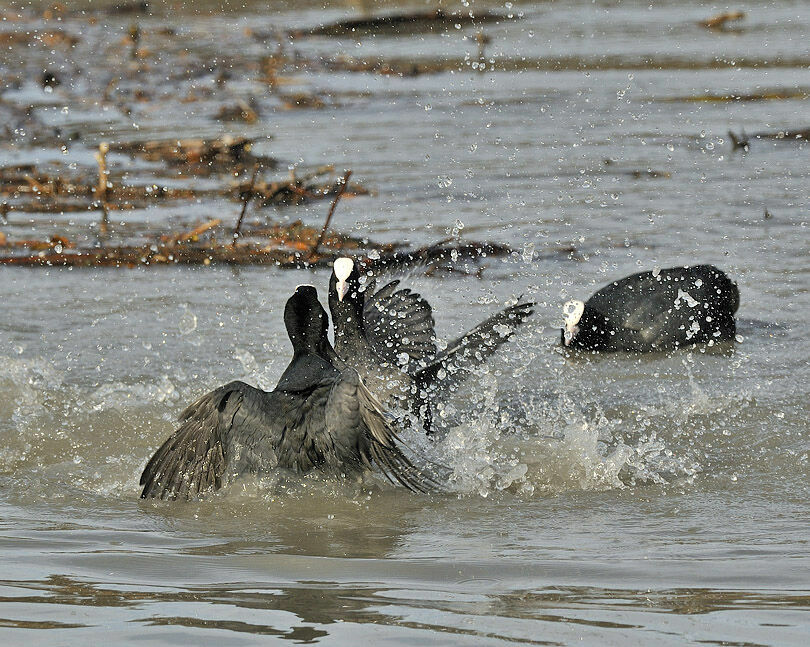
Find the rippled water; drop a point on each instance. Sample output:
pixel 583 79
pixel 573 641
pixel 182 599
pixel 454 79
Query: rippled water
pixel 617 500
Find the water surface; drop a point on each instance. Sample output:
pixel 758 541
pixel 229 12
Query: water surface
pixel 610 501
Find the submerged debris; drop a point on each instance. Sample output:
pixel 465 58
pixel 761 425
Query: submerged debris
pixel 743 141
pixel 316 185
pixel 720 21
pixel 637 174
pixel 777 94
pixel 405 23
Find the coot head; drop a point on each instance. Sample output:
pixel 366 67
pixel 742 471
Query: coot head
pixel 346 287
pixel 585 328
pixel 305 319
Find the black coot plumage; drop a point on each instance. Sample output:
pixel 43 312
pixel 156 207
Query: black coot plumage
pixel 655 311
pixel 388 336
pixel 320 415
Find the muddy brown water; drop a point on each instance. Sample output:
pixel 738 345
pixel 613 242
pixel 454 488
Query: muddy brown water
pixel 614 501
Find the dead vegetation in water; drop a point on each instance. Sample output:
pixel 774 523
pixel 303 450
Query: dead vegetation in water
pixel 51 39
pixel 27 188
pixel 319 184
pixel 109 86
pixel 227 154
pixel 288 246
pixel 285 245
pixel 776 94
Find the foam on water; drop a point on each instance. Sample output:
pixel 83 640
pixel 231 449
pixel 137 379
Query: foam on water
pixel 498 435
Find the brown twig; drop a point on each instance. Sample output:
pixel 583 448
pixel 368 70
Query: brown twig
pixel 483 40
pixel 248 195
pixel 720 20
pixel 104 225
pixel 344 183
pixel 36 186
pixel 103 173
pixel 194 233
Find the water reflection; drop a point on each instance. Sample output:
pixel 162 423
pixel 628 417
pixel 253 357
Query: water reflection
pixel 307 611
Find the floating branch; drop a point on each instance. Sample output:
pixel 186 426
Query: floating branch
pixel 246 197
pixel 405 23
pixel 290 254
pixel 194 234
pixel 343 184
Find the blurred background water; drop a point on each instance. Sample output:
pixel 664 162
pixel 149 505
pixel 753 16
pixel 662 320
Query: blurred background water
pixel 617 500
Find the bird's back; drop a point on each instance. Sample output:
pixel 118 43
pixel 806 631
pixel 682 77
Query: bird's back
pixel 670 307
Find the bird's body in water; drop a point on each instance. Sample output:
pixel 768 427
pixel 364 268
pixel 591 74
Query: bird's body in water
pixel 655 311
pixel 319 416
pixel 388 336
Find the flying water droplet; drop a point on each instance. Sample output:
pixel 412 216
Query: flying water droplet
pixel 187 323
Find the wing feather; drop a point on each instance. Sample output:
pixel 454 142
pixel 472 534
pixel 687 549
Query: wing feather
pixel 354 413
pixel 472 348
pixel 399 321
pixel 198 456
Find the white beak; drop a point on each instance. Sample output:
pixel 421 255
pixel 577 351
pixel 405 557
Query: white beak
pixel 572 311
pixel 342 289
pixel 343 269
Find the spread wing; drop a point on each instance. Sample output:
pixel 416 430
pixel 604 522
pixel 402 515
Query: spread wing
pixel 471 349
pixel 356 420
pixel 399 321
pixel 232 425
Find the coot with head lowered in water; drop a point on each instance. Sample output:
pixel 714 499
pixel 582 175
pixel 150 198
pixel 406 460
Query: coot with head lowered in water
pixel 319 416
pixel 388 336
pixel 655 311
